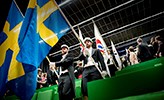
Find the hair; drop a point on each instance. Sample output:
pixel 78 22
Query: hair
pixel 39 69
pixel 158 38
pixel 152 40
pixel 131 48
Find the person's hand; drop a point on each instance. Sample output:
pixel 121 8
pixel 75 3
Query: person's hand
pixel 103 73
pixel 160 54
pixel 52 65
pixel 118 68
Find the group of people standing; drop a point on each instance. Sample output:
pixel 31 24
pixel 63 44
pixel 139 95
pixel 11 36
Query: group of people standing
pixel 144 52
pixel 92 60
pixel 93 67
pixel 48 78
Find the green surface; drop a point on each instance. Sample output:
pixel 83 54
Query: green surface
pixel 34 96
pixel 139 82
pixel 49 93
pixel 45 95
pixel 135 83
pixel 141 66
pixel 150 96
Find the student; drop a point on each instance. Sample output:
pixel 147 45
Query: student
pixel 66 87
pixel 91 57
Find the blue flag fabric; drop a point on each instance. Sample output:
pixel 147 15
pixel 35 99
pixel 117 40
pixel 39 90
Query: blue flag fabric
pixel 41 34
pixel 28 28
pixel 4 72
pixel 24 46
pixel 15 76
pixel 24 87
pixel 10 68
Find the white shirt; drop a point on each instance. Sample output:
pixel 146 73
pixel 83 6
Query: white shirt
pixel 63 57
pixel 110 59
pixel 90 62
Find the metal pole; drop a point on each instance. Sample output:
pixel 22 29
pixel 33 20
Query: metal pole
pixel 104 12
pixel 123 27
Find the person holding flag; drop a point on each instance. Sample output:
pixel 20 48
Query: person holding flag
pixel 66 87
pixel 92 58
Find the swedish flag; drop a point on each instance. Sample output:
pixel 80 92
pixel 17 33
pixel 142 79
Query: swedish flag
pixel 46 27
pixel 10 68
pixel 14 75
pixel 24 46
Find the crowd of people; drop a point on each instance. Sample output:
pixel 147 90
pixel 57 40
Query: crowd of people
pixel 46 79
pixel 90 65
pixel 144 51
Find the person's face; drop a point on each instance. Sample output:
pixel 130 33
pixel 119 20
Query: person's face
pixel 108 52
pixel 88 44
pixel 64 50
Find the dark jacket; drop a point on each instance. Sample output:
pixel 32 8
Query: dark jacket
pixel 96 55
pixel 67 63
pixel 144 53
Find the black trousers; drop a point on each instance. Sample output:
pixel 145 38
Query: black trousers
pixel 89 74
pixel 65 88
pixel 112 69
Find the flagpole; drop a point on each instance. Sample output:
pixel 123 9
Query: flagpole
pixel 76 35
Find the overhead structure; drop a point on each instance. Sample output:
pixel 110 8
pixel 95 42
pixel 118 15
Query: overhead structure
pixel 120 20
